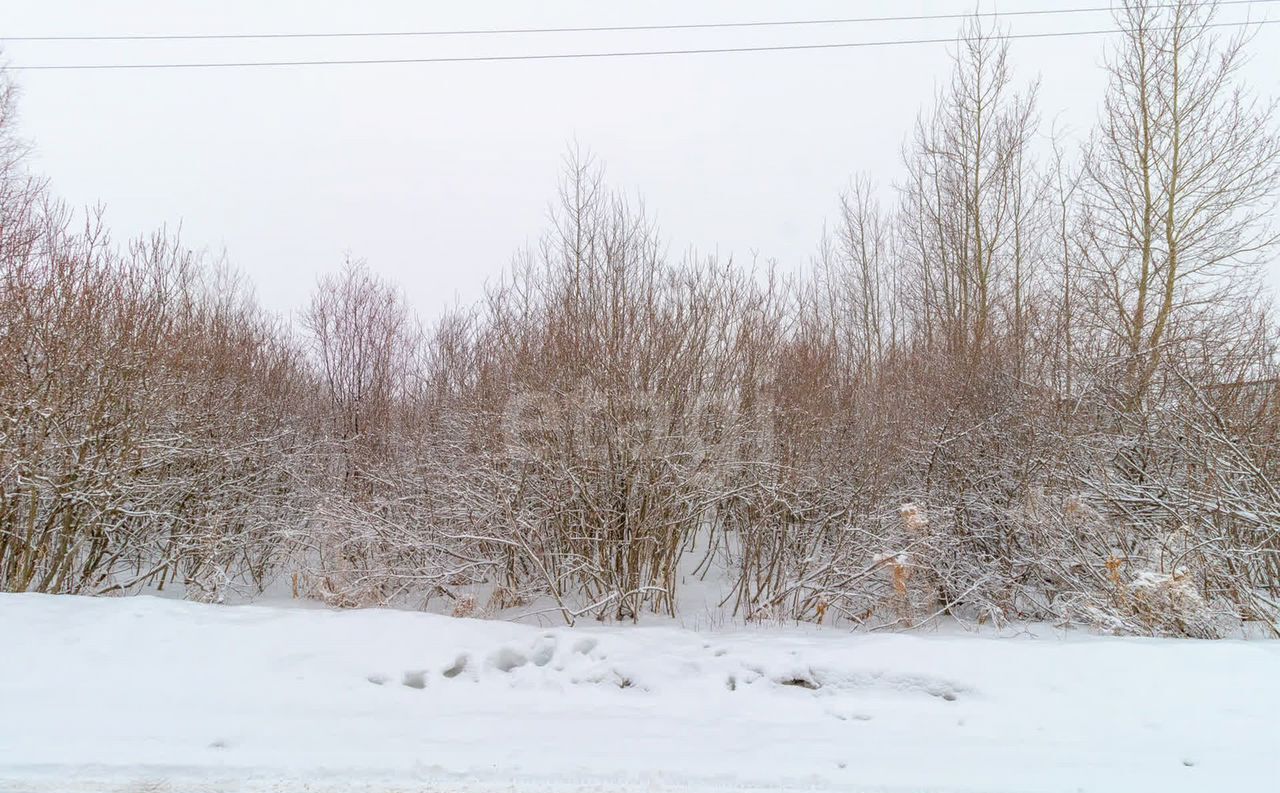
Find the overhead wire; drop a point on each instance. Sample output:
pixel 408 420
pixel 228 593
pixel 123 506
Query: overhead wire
pixel 593 28
pixel 555 56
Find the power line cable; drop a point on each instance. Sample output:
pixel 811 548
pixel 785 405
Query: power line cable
pixel 584 55
pixel 592 29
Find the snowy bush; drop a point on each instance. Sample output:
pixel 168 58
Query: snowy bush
pixel 998 398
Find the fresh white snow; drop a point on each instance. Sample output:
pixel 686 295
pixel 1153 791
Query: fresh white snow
pixel 143 694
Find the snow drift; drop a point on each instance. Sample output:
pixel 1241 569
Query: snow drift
pixel 141 693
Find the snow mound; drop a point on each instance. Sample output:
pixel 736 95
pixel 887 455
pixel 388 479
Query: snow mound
pixel 558 661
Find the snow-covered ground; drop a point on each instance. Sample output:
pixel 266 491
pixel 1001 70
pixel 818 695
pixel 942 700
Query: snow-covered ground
pixel 144 694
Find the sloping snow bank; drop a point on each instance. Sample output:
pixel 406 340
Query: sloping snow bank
pixel 148 694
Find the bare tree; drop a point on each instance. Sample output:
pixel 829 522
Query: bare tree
pixel 966 201
pixel 1180 181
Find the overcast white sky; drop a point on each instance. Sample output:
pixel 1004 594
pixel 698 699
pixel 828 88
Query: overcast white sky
pixel 437 173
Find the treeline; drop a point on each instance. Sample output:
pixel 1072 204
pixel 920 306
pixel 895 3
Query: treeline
pixel 1030 386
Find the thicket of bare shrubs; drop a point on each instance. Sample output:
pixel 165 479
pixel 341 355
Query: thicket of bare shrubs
pixel 148 412
pixel 1021 387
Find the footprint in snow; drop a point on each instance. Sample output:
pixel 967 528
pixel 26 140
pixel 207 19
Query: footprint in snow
pixel 543 651
pixel 457 667
pixel 506 659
